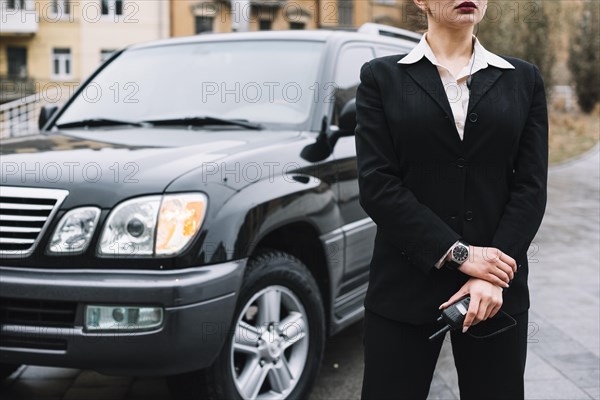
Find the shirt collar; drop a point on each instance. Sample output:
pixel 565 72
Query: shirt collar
pixel 482 55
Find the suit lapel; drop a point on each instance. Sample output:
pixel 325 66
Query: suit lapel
pixel 481 82
pixel 426 75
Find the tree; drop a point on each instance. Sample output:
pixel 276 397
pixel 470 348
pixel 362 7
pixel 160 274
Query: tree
pixel 584 57
pixel 523 29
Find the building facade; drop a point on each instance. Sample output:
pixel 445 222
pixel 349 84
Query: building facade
pixel 57 43
pixel 191 17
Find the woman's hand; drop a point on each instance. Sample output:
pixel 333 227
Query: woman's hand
pixel 486 300
pixel 490 264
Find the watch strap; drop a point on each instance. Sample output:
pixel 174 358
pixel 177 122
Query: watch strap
pixel 451 264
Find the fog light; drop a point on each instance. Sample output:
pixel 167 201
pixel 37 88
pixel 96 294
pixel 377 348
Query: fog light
pixel 111 318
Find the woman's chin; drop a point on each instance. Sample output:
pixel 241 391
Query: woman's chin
pixel 463 21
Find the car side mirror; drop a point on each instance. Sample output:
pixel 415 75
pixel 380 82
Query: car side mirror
pixel 347 120
pixel 323 146
pixel 346 123
pixel 45 114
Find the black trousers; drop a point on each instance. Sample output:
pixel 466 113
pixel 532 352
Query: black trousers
pixel 399 360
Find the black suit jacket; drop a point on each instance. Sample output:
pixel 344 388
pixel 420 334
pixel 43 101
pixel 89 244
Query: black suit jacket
pixel 425 188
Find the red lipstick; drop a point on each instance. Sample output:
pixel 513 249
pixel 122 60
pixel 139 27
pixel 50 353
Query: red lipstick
pixel 466 6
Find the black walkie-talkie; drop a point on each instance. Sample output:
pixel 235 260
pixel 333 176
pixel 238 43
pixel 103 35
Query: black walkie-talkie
pixel 453 316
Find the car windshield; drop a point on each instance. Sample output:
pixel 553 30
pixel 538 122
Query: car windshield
pixel 266 81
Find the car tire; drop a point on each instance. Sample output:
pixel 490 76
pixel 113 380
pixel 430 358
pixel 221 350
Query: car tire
pixel 7 370
pixel 280 359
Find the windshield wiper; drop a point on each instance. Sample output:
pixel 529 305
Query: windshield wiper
pixel 97 122
pixel 205 120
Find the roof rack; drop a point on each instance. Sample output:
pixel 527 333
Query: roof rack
pixel 387 30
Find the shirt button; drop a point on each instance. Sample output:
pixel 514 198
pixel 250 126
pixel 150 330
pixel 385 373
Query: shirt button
pixel 460 162
pixel 473 117
pixel 469 215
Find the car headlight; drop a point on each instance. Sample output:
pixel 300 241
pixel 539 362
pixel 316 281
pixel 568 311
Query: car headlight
pixel 74 231
pixel 153 225
pixel 179 219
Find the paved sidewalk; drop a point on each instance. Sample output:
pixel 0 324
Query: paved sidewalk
pixel 564 338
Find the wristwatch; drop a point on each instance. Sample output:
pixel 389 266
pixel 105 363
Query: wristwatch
pixel 458 255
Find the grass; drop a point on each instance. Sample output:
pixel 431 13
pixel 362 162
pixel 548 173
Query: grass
pixel 572 133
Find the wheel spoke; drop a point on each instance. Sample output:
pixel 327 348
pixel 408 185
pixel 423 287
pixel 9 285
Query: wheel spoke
pixel 244 348
pixel 246 334
pixel 293 327
pixel 269 305
pixel 280 376
pixel 252 378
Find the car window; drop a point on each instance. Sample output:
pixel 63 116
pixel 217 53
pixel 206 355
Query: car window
pixel 388 50
pixel 347 75
pixel 263 81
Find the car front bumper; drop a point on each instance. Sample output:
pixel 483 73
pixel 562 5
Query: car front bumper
pixel 198 306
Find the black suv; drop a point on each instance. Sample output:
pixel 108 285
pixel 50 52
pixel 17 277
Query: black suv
pixel 192 211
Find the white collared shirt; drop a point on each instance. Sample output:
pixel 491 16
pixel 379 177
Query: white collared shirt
pixel 456 86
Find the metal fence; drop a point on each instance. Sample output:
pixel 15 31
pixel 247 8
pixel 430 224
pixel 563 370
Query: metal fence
pixel 20 117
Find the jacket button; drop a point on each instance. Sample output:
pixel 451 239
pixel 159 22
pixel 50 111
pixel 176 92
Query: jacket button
pixel 460 162
pixel 473 117
pixel 469 215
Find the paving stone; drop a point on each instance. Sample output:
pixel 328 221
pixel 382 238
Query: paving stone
pixel 96 393
pixel 593 392
pixel 554 389
pixel 148 389
pixel 584 360
pixel 583 378
pixel 538 369
pixel 14 376
pixel 445 368
pixel 29 388
pixel 439 390
pixel 35 372
pixel 93 379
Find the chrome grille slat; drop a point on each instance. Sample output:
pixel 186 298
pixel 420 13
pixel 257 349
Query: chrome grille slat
pixel 18 229
pixel 24 216
pixel 18 206
pixel 21 218
pixel 16 240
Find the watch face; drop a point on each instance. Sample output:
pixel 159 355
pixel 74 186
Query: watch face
pixel 460 253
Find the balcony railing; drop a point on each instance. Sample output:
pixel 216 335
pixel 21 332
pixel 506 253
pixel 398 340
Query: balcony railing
pixel 18 17
pixel 15 87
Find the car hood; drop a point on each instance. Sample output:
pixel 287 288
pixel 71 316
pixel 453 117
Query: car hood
pixel 104 166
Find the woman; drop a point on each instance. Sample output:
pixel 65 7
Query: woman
pixel 452 154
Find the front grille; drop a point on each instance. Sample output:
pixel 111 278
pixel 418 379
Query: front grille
pixel 32 342
pixel 24 215
pixel 37 312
